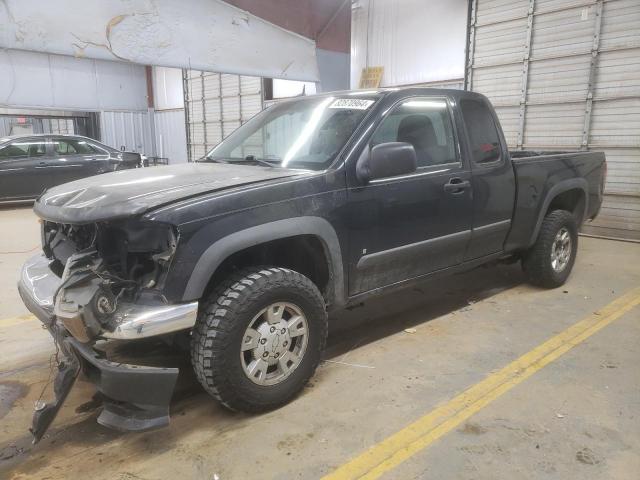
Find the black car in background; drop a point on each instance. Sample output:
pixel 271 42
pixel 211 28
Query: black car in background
pixel 30 164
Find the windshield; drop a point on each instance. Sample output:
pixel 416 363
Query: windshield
pixel 307 133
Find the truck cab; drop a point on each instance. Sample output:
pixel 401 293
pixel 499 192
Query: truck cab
pixel 454 207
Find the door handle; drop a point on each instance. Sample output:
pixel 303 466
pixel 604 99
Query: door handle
pixel 456 186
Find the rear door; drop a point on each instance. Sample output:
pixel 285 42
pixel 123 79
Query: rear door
pixel 493 179
pixel 23 170
pixel 74 158
pixel 407 226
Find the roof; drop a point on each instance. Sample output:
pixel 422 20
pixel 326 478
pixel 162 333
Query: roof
pixel 396 91
pixel 36 135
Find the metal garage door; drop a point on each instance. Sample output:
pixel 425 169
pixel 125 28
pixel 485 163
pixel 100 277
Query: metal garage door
pixel 216 104
pixel 565 74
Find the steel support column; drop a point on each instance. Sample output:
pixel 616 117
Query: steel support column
pixel 592 76
pixel 525 74
pixel 471 47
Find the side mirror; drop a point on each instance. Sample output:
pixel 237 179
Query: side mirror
pixel 122 148
pixel 387 160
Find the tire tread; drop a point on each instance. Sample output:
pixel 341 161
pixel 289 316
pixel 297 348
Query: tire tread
pixel 536 262
pixel 219 314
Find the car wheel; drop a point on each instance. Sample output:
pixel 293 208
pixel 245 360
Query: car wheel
pixel 259 338
pixel 549 261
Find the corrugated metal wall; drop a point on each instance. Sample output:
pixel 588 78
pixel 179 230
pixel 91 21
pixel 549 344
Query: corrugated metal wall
pixel 565 74
pixel 171 137
pixel 216 105
pixel 129 129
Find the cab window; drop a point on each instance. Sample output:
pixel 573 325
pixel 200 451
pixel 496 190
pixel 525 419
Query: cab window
pixel 426 124
pixel 482 131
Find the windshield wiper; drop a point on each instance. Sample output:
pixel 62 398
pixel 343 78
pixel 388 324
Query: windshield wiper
pixel 248 158
pixel 211 159
pixel 252 158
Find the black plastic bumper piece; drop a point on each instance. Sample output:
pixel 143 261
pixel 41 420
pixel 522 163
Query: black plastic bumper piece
pixel 135 397
pixel 45 414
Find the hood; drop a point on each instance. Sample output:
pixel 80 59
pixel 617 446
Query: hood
pixel 131 192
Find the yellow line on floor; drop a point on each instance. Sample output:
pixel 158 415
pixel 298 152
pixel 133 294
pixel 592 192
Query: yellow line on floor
pixel 419 435
pixel 10 322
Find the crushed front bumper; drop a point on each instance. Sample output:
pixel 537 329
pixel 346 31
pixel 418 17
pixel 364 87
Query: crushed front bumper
pixel 135 397
pixel 38 287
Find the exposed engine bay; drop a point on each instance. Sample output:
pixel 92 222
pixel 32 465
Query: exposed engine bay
pixel 102 265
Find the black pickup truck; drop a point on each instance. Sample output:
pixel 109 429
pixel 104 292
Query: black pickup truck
pixel 313 205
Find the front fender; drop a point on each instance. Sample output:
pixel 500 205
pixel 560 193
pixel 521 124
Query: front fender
pixel 214 255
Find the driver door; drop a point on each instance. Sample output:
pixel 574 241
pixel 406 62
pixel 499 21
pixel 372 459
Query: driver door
pixel 410 225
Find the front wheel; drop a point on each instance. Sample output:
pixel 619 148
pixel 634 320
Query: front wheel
pixel 259 338
pixel 549 261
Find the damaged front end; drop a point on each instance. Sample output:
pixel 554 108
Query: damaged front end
pixel 97 283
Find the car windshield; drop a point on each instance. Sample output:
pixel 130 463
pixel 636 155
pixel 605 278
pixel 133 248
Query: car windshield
pixel 306 133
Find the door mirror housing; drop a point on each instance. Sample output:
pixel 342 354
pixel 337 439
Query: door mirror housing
pixel 387 160
pixel 122 148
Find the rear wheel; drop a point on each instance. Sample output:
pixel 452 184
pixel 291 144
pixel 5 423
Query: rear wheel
pixel 549 261
pixel 259 338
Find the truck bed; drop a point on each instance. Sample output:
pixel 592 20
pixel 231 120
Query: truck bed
pixel 538 175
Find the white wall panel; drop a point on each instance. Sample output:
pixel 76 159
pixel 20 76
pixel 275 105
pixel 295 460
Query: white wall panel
pixel 334 70
pixel 617 74
pixel 167 88
pixel 623 175
pixel 509 121
pixel 558 79
pixel 500 43
pixel 616 123
pixel 554 126
pixel 565 32
pixel 401 35
pixel 26 79
pixel 619 218
pixel 41 80
pixel 492 11
pixel 129 129
pixel 546 6
pixel 121 85
pixel 502 83
pixel 620 23
pixel 171 137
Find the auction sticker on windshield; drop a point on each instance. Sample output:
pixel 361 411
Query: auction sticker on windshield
pixel 352 103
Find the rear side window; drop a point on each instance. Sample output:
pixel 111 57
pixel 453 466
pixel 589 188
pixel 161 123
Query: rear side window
pixel 483 134
pixel 23 148
pixel 71 147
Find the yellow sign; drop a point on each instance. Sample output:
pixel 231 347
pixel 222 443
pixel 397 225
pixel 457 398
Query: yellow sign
pixel 371 77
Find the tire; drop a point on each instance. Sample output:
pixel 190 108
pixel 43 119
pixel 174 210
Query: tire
pixel 538 262
pixel 217 356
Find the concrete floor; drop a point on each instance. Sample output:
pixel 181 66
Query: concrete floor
pixel 387 364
